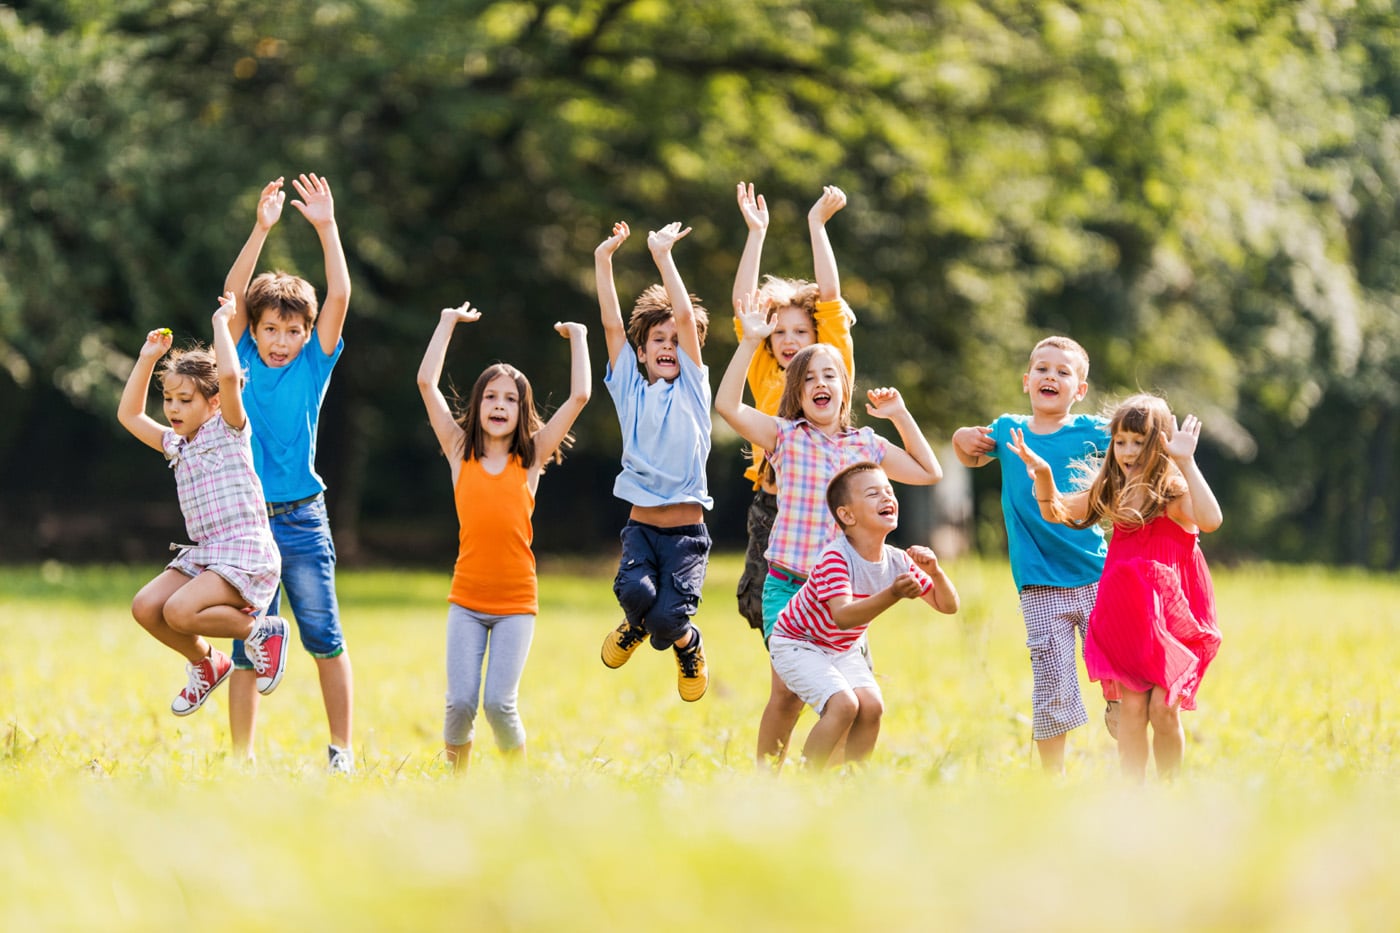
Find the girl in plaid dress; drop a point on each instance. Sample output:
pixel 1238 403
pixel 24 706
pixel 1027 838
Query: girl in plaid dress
pixel 808 442
pixel 219 586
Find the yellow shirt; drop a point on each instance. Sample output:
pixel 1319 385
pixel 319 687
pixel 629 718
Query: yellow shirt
pixel 766 377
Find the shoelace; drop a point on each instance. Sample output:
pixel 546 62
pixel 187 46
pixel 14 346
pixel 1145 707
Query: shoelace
pixel 197 684
pixel 253 646
pixel 632 636
pixel 690 660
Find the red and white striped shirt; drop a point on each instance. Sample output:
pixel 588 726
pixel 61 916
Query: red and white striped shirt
pixel 840 571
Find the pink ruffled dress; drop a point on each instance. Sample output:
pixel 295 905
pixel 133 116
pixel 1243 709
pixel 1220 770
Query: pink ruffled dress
pixel 1153 623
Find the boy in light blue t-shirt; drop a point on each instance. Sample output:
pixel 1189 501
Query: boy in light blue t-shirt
pixel 1056 568
pixel 663 407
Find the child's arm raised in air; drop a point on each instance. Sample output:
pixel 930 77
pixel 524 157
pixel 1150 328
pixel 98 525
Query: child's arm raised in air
pixel 915 463
pixel 131 410
pixel 973 444
pixel 1199 505
pixel 848 612
pixel 549 437
pixel 226 358
pixel 318 207
pixel 943 596
pixel 614 331
pixel 241 273
pixel 660 243
pixel 1054 505
pixel 828 281
pixel 755 211
pixel 751 424
pixel 445 427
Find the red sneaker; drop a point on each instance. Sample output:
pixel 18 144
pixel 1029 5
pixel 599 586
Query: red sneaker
pixel 266 647
pixel 203 678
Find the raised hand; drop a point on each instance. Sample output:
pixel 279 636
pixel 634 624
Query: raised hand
pixel 228 307
pixel 753 207
pixel 316 203
pixel 571 330
pixel 1034 462
pixel 462 314
pixel 974 441
pixel 1181 445
pixel 620 233
pixel 884 402
pixel 905 586
pixel 923 558
pixel 661 241
pixel 754 318
pixel 157 342
pixel 831 201
pixel 270 204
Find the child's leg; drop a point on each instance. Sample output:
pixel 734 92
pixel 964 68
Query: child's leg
pixel 778 720
pixel 1168 737
pixel 466 648
pixel 148 608
pixel 210 606
pixel 682 556
pixel 243 699
pixel 636 581
pixel 1132 734
pixel 860 741
pixel 837 716
pixel 510 645
pixel 1052 615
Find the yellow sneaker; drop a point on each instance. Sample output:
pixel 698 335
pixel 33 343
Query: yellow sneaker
pixel 621 642
pixel 692 676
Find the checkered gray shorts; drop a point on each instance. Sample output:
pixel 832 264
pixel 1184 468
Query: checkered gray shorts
pixel 1053 615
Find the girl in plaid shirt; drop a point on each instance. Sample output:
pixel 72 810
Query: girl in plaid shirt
pixel 808 442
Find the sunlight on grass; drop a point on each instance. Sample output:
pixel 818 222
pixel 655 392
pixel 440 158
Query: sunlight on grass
pixel 641 812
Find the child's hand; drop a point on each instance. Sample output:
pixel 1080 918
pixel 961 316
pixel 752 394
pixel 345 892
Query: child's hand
pixel 974 441
pixel 316 203
pixel 753 207
pixel 661 241
pixel 1181 446
pixel 754 319
pixel 905 586
pixel 270 204
pixel 923 558
pixel 228 307
pixel 157 342
pixel 831 201
pixel 620 233
pixel 1034 462
pixel 884 402
pixel 571 330
pixel 463 314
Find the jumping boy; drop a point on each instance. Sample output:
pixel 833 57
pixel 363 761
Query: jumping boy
pixel 815 644
pixel 288 352
pixel 663 407
pixel 1056 568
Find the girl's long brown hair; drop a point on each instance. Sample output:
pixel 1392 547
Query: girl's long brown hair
pixel 529 422
pixel 1158 479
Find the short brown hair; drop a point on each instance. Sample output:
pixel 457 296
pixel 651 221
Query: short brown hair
pixel 654 307
pixel 1069 346
pixel 282 293
pixel 838 491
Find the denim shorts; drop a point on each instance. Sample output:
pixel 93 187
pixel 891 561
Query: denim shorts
pixel 303 536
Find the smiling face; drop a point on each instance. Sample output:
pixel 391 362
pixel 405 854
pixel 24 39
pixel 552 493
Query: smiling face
pixel 869 502
pixel 500 407
pixel 1054 381
pixel 792 330
pixel 186 407
pixel 280 337
pixel 822 390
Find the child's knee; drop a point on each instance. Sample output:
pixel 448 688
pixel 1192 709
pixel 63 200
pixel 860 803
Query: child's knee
pixel 841 707
pixel 1162 716
pixel 636 594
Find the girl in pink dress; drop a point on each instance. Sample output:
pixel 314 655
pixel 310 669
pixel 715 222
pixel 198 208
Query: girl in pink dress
pixel 1153 627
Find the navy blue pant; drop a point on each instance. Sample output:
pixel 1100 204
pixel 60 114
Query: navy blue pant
pixel 660 577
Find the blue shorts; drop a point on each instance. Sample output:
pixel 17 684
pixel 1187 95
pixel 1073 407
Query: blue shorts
pixel 303 536
pixel 660 576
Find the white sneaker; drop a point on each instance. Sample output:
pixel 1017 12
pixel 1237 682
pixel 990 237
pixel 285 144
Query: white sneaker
pixel 342 760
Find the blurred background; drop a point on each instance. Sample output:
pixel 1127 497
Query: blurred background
pixel 1203 194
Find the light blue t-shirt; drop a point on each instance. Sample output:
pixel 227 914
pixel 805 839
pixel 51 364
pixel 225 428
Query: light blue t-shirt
pixel 1044 553
pixel 665 433
pixel 284 407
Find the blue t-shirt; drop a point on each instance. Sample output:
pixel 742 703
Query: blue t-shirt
pixel 665 433
pixel 1044 553
pixel 284 407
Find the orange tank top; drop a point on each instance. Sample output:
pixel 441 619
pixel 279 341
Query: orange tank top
pixel 495 572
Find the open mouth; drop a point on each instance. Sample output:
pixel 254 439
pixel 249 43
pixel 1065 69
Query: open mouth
pixel 889 511
pixel 821 399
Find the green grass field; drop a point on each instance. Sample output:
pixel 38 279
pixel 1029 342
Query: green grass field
pixel 639 812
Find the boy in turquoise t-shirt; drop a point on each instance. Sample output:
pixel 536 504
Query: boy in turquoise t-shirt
pixel 1056 568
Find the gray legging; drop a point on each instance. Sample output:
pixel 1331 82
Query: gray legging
pixel 468 633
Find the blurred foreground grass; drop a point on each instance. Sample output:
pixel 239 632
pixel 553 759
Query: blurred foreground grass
pixel 641 812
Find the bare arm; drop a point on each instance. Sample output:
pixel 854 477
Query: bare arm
pixel 660 243
pixel 549 437
pixel 828 281
pixel 226 357
pixel 751 424
pixel 614 331
pixel 131 410
pixel 1054 505
pixel 915 463
pixel 241 273
pixel 1200 507
pixel 943 596
pixel 848 612
pixel 755 211
pixel 445 427
pixel 972 445
pixel 318 206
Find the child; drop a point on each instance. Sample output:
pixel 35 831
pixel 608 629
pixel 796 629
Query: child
pixel 663 406
pixel 856 577
pixel 1153 628
pixel 497 447
pixel 289 352
pixel 219 586
pixel 1055 568
pixel 809 440
pixel 803 313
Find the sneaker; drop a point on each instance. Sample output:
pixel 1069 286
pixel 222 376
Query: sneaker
pixel 1110 717
pixel 203 678
pixel 342 760
pixel 266 647
pixel 693 676
pixel 621 643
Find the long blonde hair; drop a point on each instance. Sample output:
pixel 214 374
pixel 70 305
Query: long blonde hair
pixel 1158 479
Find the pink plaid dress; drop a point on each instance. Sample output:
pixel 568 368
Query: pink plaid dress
pixel 225 514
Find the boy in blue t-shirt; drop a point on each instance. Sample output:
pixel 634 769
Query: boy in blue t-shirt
pixel 288 351
pixel 1056 568
pixel 663 407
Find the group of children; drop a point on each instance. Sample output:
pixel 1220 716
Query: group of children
pixel 818 569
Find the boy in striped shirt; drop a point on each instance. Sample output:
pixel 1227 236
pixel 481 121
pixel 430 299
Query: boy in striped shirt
pixel 857 577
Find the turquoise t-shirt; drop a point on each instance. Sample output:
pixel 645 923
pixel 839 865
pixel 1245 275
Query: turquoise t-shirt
pixel 1044 553
pixel 665 433
pixel 284 407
